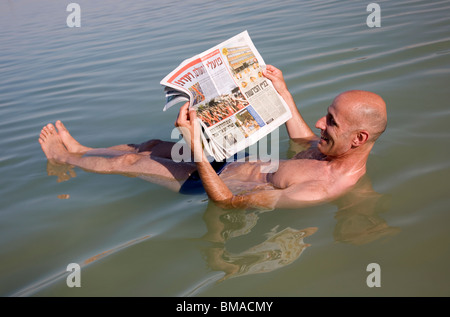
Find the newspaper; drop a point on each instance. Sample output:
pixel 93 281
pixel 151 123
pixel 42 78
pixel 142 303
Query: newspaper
pixel 235 103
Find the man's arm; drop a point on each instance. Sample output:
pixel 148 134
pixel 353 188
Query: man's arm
pixel 217 190
pixel 296 126
pixel 294 196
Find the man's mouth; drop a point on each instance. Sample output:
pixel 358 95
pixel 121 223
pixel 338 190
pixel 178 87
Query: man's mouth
pixel 322 137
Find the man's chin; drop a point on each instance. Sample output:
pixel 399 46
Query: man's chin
pixel 321 146
pixel 324 148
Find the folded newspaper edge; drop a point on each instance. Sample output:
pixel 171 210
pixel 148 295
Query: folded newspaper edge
pixel 235 104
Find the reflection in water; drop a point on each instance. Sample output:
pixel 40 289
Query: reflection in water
pixel 358 223
pixel 278 250
pixel 63 172
pixel 358 219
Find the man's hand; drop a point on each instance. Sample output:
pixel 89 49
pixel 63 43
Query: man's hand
pixel 296 126
pixel 214 186
pixel 276 77
pixel 190 128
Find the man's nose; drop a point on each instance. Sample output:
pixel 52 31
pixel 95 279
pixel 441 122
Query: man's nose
pixel 320 124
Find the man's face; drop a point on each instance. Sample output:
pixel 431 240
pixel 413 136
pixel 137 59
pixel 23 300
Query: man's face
pixel 335 130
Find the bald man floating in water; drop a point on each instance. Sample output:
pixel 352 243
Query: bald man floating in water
pixel 332 164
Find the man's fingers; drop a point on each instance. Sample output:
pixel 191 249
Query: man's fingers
pixel 273 70
pixel 270 68
pixel 270 72
pixel 185 106
pixel 184 111
pixel 182 115
pixel 192 115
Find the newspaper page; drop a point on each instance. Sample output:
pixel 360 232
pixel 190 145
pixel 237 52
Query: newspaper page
pixel 235 103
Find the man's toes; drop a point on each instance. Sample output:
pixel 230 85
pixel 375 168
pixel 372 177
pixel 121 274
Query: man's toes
pixel 44 133
pixel 60 126
pixel 51 128
pixel 47 130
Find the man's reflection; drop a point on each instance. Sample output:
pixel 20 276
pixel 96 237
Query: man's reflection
pixel 358 223
pixel 281 247
pixel 358 216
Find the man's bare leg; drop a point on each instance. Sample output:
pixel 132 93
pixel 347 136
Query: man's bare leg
pixel 154 147
pixel 158 170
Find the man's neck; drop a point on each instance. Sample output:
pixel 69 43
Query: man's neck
pixel 352 162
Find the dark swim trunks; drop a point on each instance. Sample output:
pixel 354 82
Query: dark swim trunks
pixel 194 186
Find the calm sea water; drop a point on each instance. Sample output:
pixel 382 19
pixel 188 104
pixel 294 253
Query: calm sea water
pixel 133 238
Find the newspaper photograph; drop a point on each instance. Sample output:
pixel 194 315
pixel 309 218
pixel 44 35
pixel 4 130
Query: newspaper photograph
pixel 235 103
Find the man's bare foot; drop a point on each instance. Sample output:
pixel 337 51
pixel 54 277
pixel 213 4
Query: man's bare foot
pixel 70 143
pixel 52 144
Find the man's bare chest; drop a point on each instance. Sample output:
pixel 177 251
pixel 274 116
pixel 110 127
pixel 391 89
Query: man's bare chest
pixel 310 154
pixel 296 171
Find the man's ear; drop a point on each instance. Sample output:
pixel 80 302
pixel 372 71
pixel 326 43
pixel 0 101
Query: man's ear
pixel 360 138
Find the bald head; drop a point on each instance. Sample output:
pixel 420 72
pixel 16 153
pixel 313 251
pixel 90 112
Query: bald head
pixel 364 110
